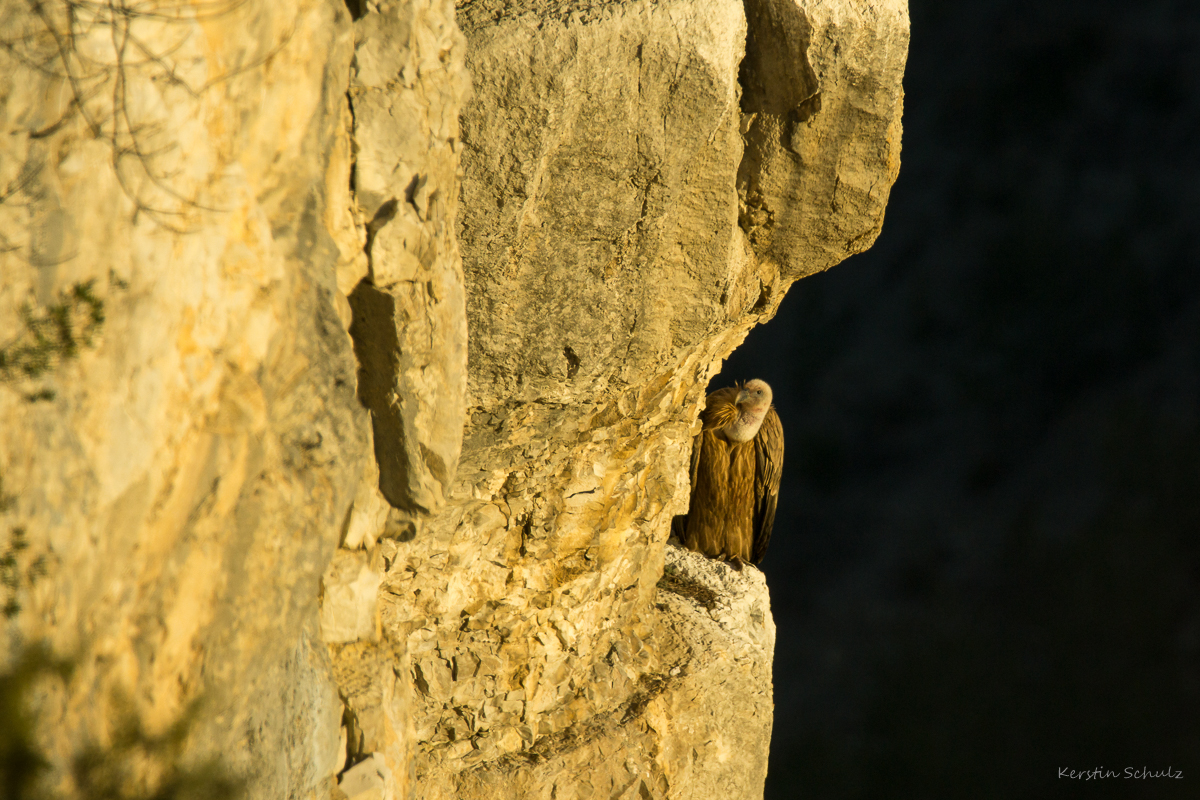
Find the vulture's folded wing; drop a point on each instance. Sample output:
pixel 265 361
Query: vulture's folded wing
pixel 768 469
pixel 719 411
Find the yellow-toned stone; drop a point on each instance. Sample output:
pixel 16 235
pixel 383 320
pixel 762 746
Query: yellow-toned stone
pixel 537 297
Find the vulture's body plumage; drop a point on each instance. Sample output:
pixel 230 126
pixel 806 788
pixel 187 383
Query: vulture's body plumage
pixel 737 461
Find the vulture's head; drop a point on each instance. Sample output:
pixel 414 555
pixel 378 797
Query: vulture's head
pixel 755 396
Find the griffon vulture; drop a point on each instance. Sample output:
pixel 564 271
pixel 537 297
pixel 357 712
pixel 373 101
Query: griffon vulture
pixel 737 459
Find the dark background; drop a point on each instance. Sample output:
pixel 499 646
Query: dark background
pixel 986 564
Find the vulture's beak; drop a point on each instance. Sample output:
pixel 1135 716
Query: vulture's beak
pixel 742 397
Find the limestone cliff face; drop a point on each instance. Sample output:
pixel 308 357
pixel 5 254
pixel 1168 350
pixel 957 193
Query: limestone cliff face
pixel 179 433
pixel 360 355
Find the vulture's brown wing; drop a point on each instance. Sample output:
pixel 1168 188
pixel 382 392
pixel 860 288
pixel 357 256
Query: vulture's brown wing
pixel 768 469
pixel 719 411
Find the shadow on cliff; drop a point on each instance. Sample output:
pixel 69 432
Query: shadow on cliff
pixel 133 764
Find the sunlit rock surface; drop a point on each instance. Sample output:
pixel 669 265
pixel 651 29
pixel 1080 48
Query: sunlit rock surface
pixel 181 444
pixel 388 336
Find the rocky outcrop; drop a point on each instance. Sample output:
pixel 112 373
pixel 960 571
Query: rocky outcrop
pixel 407 87
pixel 611 258
pixel 822 101
pixel 355 395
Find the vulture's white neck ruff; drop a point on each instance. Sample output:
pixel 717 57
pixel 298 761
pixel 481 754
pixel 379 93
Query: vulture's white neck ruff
pixel 747 424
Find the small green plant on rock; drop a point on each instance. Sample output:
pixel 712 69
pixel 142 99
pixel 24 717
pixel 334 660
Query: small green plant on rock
pixel 11 575
pixel 53 334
